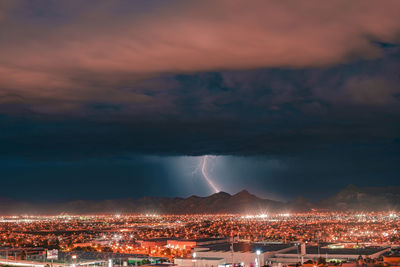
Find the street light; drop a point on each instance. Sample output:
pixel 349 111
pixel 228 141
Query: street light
pixel 258 253
pixel 194 259
pixel 73 257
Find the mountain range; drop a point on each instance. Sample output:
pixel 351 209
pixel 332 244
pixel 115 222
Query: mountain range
pixel 351 198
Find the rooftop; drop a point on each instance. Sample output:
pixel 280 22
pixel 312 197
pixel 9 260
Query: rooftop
pixel 204 239
pixel 159 239
pixel 339 251
pixel 202 258
pixel 246 247
pixel 160 264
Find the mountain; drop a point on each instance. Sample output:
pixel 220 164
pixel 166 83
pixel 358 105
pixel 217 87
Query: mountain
pixel 351 198
pixel 222 202
pixel 301 204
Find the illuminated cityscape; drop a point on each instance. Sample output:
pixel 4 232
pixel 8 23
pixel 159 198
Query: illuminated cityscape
pixel 137 239
pixel 199 133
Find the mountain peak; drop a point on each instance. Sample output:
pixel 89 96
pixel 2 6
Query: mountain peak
pixel 243 193
pixel 221 194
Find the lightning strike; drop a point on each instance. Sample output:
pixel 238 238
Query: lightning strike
pixel 204 172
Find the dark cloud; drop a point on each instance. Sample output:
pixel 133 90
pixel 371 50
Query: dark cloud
pixel 264 111
pixel 306 89
pixel 53 50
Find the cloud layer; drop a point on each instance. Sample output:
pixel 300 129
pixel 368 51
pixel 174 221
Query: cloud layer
pixel 197 78
pixel 304 92
pixel 72 51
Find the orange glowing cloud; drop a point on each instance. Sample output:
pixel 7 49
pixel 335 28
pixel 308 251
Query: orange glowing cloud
pixel 69 58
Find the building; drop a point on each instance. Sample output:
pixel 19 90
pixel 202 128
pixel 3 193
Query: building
pixel 313 253
pixel 22 253
pixel 199 262
pixel 181 244
pixel 391 257
pixel 241 253
pixel 160 265
pixel 191 243
pixel 154 242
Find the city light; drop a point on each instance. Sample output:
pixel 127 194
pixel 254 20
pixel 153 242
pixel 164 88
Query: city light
pixel 174 236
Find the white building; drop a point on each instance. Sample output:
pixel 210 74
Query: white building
pixel 293 255
pixel 199 262
pixel 243 253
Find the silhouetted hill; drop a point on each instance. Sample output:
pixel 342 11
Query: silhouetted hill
pixel 353 198
pixel 350 198
pixel 301 204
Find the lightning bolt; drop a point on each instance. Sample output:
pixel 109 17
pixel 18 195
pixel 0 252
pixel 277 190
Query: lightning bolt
pixel 204 172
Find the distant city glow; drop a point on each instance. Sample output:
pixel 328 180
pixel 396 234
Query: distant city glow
pixel 174 236
pixel 259 216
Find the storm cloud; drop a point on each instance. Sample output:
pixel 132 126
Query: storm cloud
pixel 63 50
pixel 311 87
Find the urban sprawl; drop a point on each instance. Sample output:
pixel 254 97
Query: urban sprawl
pixel 308 239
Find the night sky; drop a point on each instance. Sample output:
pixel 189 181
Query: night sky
pixel 114 99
